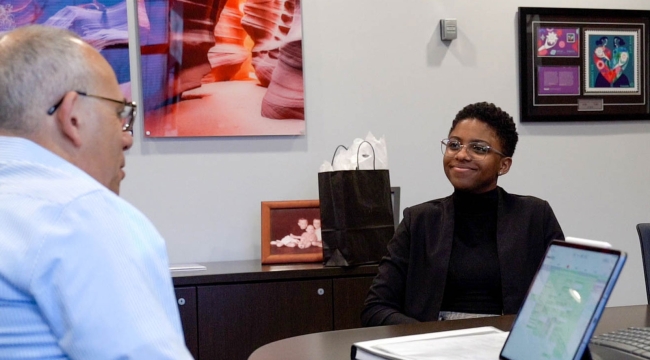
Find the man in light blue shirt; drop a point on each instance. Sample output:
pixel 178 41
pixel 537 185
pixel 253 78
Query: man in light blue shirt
pixel 83 274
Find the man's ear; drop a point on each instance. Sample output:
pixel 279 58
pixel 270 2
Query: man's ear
pixel 67 118
pixel 506 162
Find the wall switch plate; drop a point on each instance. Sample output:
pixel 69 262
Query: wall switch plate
pixel 448 29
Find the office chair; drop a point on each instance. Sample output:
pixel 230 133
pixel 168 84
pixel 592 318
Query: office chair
pixel 644 236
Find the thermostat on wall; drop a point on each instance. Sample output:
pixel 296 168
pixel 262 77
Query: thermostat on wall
pixel 448 29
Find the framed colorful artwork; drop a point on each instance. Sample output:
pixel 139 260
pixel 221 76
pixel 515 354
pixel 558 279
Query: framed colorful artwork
pixel 222 68
pixel 291 232
pixel 102 24
pixel 583 64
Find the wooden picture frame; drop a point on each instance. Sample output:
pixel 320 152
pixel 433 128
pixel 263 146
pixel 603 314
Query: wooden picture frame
pixel 583 64
pixel 280 220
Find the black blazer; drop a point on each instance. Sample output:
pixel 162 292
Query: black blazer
pixel 411 280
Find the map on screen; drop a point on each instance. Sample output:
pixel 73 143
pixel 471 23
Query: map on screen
pixel 564 303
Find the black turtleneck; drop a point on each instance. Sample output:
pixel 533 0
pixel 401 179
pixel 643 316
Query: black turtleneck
pixel 473 277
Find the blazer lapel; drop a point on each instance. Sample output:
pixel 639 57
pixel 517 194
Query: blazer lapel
pixel 511 246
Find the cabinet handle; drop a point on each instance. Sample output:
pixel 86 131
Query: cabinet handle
pixel 181 301
pixel 320 291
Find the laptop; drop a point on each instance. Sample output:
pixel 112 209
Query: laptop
pixel 562 308
pixel 564 303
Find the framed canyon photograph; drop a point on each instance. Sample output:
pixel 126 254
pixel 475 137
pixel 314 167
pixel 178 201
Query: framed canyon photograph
pixel 222 68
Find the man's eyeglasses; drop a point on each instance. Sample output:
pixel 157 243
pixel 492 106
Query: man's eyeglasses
pixel 475 149
pixel 127 114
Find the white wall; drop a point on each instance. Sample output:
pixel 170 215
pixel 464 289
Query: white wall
pixel 379 65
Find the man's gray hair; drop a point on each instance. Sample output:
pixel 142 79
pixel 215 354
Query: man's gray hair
pixel 38 66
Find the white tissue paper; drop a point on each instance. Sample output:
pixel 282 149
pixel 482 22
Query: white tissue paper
pixel 347 159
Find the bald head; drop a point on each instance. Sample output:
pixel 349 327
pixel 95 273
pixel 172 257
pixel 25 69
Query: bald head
pixel 38 65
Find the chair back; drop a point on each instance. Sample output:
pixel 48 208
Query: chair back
pixel 644 236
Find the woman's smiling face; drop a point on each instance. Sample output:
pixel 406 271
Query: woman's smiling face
pixel 464 170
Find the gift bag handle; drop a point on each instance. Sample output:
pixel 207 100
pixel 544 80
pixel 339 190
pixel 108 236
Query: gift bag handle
pixel 337 150
pixel 373 154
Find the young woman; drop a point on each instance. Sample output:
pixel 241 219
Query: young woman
pixel 473 253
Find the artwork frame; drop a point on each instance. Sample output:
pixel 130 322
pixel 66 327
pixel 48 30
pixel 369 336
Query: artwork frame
pixel 395 199
pixel 583 64
pixel 217 68
pixel 107 27
pixel 276 243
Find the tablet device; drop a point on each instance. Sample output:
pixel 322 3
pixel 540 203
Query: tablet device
pixel 588 242
pixel 564 303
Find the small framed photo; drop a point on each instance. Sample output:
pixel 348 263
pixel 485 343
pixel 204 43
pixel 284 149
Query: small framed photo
pixel 584 64
pixel 291 232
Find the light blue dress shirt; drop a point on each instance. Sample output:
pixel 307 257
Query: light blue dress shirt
pixel 83 274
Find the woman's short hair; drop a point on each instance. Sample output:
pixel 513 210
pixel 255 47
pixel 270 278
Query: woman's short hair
pixel 495 118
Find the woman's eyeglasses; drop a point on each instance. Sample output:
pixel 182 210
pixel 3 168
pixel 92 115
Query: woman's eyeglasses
pixel 476 149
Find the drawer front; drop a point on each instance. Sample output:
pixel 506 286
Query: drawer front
pixel 186 300
pixel 234 320
pixel 349 295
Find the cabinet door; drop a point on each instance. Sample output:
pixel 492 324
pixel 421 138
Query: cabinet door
pixel 349 295
pixel 234 320
pixel 186 300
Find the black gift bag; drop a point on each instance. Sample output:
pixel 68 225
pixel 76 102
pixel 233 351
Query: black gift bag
pixel 356 215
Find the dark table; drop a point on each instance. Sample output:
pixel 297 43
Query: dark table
pixel 335 345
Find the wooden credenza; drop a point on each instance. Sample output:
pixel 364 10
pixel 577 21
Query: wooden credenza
pixel 232 308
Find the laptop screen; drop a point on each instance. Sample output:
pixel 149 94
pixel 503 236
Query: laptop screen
pixel 564 303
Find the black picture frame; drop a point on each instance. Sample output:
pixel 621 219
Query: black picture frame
pixel 395 197
pixel 583 64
